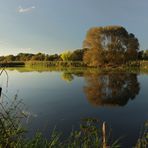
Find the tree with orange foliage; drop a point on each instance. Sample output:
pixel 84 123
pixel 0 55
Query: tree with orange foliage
pixel 110 45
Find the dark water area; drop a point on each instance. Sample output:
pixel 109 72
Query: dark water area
pixel 64 98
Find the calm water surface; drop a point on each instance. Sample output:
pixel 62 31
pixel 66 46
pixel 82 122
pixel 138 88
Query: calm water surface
pixel 63 98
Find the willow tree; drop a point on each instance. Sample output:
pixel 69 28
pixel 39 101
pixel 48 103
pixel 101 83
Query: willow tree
pixel 110 45
pixel 66 56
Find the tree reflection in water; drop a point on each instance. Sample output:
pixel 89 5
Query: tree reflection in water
pixel 111 89
pixel 66 76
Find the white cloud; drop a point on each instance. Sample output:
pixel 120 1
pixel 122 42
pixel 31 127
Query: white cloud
pixel 24 10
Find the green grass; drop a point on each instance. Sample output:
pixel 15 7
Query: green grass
pixel 73 70
pixel 73 64
pixel 56 63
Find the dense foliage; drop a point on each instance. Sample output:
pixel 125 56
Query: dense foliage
pixel 66 56
pixel 76 55
pixel 110 45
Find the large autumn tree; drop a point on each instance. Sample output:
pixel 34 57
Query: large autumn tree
pixel 110 45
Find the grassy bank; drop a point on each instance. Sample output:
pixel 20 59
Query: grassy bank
pixel 12 64
pixel 142 64
pixel 73 66
pixel 56 63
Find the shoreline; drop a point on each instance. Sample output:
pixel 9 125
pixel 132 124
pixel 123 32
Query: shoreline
pixel 143 65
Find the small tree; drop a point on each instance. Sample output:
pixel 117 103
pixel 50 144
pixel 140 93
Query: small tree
pixel 66 56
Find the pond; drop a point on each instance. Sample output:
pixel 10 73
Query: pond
pixel 62 98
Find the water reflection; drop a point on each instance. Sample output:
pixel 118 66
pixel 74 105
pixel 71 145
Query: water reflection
pixel 103 88
pixel 111 89
pixel 69 76
pixel 66 76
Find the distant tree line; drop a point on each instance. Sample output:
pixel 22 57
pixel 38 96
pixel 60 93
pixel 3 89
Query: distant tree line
pixel 76 55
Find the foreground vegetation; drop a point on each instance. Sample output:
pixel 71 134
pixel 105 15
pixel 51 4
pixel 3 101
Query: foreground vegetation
pixel 90 133
pixel 12 132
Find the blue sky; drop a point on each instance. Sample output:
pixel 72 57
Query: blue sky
pixel 52 26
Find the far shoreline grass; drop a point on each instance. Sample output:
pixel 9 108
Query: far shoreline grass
pixel 12 64
pixel 142 65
